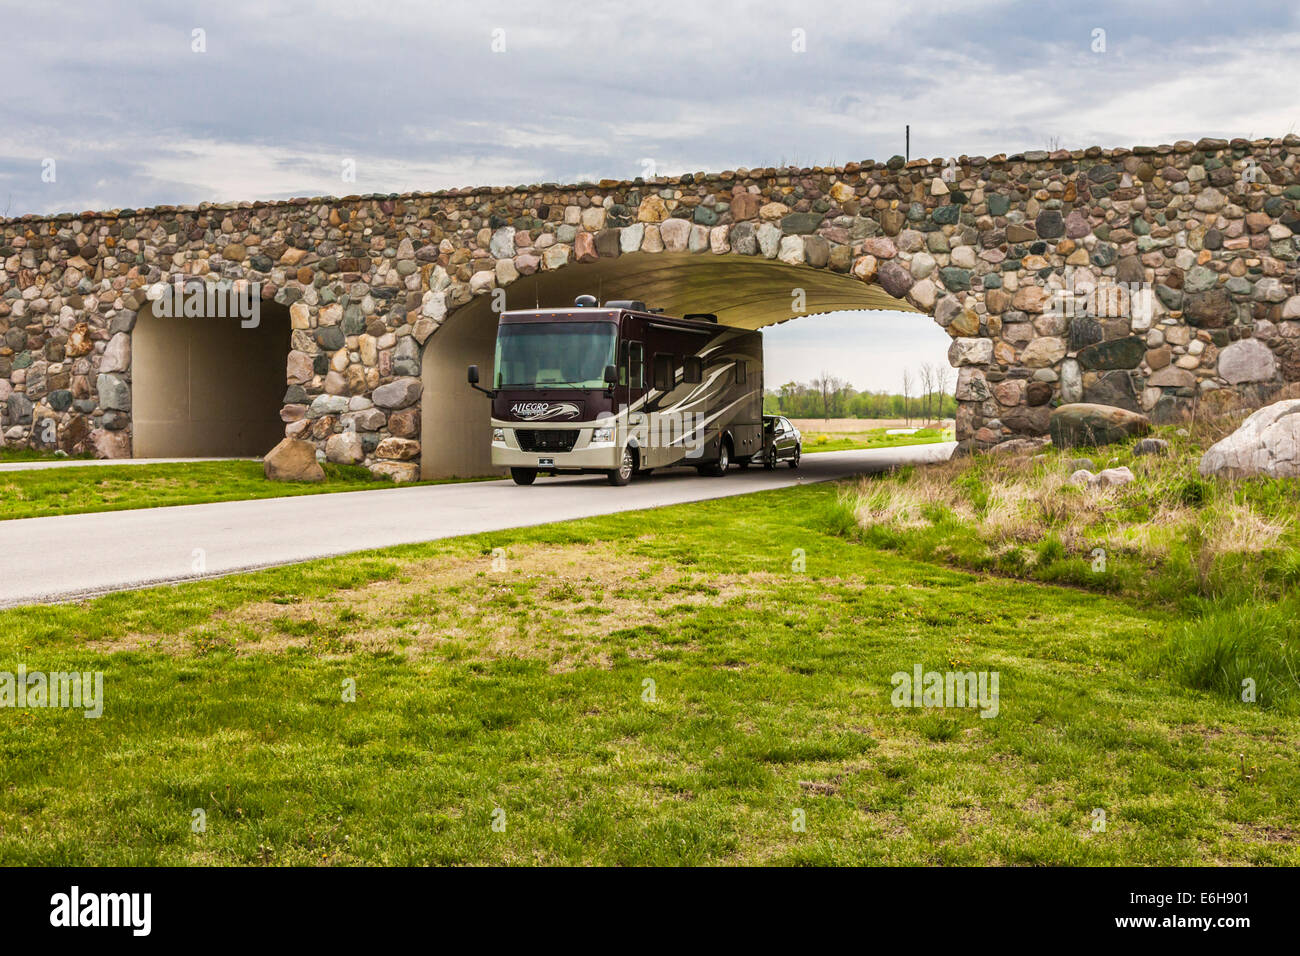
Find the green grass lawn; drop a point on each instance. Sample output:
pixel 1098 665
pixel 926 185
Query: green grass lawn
pixel 874 438
pixel 656 687
pixel 72 490
pixel 33 454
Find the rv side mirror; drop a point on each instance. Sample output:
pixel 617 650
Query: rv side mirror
pixel 611 374
pixel 471 373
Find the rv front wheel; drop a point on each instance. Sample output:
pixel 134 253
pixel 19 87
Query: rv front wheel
pixel 523 476
pixel 623 473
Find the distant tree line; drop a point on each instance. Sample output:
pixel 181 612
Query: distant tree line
pixel 924 397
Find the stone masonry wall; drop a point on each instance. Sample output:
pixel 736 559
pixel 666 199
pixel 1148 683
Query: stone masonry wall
pixel 1210 227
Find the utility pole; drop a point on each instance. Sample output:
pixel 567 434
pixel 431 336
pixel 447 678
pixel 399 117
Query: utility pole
pixel 907 143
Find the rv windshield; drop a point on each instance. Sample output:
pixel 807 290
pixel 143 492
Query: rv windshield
pixel 554 354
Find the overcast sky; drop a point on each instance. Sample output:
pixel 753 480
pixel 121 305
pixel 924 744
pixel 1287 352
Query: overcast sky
pixel 414 95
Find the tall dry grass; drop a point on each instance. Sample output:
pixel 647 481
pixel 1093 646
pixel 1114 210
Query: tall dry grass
pixel 1015 503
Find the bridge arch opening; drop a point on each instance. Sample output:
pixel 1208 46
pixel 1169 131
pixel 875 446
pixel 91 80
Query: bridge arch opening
pixel 207 386
pixel 743 291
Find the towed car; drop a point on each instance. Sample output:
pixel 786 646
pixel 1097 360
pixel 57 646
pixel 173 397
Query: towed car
pixel 781 442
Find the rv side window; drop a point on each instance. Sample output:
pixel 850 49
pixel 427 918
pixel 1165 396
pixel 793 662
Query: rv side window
pixel 740 373
pixel 635 365
pixel 692 370
pixel 663 369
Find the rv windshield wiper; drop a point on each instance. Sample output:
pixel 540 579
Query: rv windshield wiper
pixel 549 385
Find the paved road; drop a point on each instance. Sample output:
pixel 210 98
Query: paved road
pixel 74 556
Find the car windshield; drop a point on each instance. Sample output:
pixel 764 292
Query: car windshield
pixel 554 354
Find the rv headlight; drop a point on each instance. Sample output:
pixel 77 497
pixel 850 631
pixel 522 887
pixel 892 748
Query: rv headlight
pixel 498 434
pixel 602 435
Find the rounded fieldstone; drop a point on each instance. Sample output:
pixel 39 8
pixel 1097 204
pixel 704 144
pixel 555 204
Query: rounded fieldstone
pixel 1050 224
pixel 114 392
pixel 398 394
pixel 1117 353
pixel 955 279
pixel 1038 393
pixel 1210 310
pixel 1151 446
pixel 1247 360
pixel 19 409
pixel 330 337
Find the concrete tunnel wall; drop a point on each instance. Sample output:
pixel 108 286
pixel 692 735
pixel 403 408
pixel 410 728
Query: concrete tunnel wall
pixel 454 418
pixel 206 386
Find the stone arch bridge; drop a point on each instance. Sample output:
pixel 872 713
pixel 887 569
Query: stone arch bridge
pixel 372 306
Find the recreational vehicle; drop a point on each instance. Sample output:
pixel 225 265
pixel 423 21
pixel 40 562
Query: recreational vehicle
pixel 619 388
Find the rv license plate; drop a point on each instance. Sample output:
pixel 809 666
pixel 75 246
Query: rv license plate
pixel 546 463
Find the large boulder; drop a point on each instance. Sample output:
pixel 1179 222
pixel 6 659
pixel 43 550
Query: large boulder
pixel 293 460
pixel 1267 443
pixel 1084 423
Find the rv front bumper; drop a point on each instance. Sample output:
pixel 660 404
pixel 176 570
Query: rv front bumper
pixel 585 455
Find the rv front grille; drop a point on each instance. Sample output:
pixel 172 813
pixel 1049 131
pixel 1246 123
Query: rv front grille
pixel 547 439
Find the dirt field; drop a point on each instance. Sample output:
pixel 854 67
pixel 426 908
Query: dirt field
pixel 834 426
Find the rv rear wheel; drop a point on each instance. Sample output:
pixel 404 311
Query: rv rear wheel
pixel 523 476
pixel 724 459
pixel 623 473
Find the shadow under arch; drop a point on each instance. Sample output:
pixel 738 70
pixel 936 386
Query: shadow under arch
pixel 743 291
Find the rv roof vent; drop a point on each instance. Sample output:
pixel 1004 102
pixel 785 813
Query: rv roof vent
pixel 636 305
pixel 585 302
pixel 701 316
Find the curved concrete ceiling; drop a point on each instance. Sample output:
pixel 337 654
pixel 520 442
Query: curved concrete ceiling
pixel 742 291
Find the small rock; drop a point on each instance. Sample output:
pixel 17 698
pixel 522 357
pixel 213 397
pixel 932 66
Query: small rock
pixel 1151 446
pixel 1113 477
pixel 1018 446
pixel 1082 478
